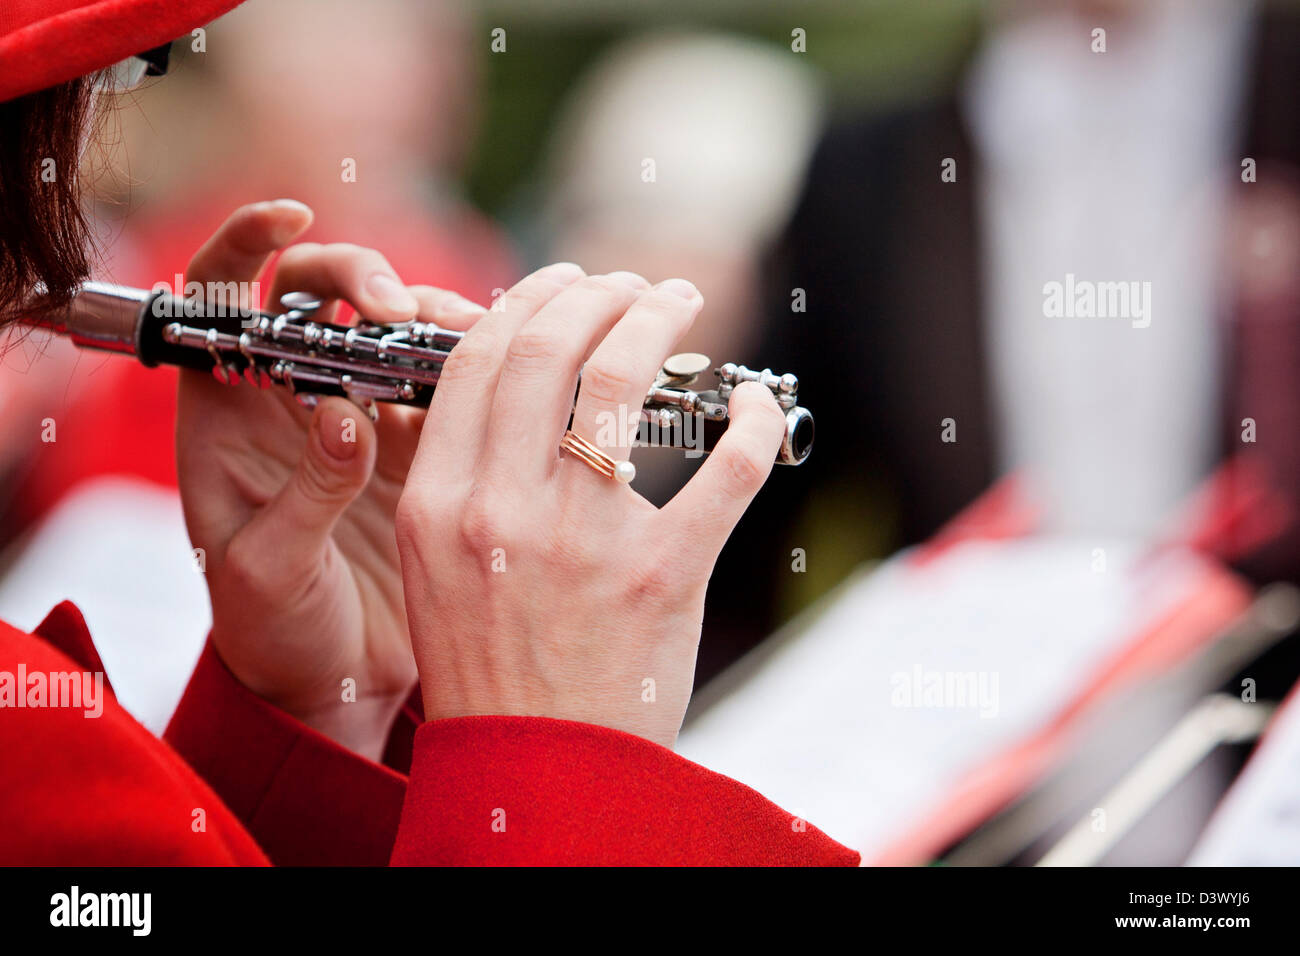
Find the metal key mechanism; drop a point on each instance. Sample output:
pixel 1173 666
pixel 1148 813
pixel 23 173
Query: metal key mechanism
pixel 370 363
pixel 674 395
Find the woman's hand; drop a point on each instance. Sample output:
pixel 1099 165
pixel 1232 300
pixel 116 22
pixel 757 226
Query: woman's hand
pixel 535 586
pixel 294 509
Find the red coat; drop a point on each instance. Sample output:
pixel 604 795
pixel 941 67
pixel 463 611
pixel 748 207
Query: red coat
pixel 79 790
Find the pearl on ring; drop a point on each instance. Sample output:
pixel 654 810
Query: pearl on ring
pixel 621 471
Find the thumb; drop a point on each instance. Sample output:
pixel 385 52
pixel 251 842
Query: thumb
pixel 335 467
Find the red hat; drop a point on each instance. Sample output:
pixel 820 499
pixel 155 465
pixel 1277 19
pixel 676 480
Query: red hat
pixel 47 42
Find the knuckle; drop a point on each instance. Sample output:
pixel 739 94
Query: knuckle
pixel 298 254
pixel 317 483
pixel 744 469
pixel 482 524
pixel 664 306
pixel 534 345
pixel 529 295
pixel 414 524
pixel 603 286
pixel 243 563
pixel 653 582
pixel 412 520
pixel 412 514
pixel 608 379
pixel 473 357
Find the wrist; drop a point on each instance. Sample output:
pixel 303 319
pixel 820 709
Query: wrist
pixel 361 726
pixel 654 721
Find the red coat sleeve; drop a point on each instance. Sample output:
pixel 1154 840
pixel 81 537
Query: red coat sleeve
pixel 242 781
pixel 304 798
pixel 88 785
pixel 483 790
pixel 531 790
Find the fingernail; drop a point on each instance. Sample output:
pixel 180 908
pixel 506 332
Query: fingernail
pixel 561 272
pixel 338 433
pixel 679 287
pixel 292 204
pixel 391 293
pixel 629 279
pixel 284 233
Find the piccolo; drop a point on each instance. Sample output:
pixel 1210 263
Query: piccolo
pixel 369 362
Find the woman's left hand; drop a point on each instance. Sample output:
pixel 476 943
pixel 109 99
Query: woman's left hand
pixel 293 509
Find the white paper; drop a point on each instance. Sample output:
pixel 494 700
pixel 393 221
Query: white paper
pixel 1258 823
pixel 999 637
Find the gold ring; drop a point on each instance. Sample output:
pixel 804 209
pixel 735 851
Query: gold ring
pixel 621 471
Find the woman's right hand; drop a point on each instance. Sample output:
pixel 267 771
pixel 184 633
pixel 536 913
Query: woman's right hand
pixel 534 585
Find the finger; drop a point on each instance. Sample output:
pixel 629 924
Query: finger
pixel 534 398
pixel 334 468
pixel 444 308
pixel 242 245
pixel 702 515
pixel 401 424
pixel 215 509
pixel 362 277
pixel 454 431
pixel 623 367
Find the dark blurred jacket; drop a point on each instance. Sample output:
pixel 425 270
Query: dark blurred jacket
pixel 891 344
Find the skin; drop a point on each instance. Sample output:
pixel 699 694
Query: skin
pixel 600 592
pixel 296 521
pixel 315 546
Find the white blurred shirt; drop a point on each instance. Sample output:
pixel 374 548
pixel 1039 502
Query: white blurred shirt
pixel 1112 167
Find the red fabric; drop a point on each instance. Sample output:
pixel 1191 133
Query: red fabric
pixel 76 790
pixel 99 791
pixel 303 798
pixel 65 629
pixel 47 42
pixel 558 792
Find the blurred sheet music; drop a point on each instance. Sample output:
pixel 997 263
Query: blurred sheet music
pixel 866 717
pixel 1258 823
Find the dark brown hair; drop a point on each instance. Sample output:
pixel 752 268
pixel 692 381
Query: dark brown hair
pixel 44 233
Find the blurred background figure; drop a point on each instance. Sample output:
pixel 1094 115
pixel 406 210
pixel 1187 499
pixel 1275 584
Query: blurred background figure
pixel 1168 156
pixel 290 108
pixel 926 296
pixel 702 140
pixel 375 144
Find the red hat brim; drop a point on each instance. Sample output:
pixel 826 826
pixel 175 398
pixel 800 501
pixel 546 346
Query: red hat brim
pixel 47 42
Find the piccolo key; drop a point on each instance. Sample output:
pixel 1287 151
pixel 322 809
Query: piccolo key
pixel 370 363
